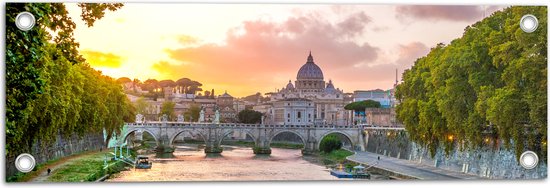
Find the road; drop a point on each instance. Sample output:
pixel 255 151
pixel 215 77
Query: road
pixel 408 168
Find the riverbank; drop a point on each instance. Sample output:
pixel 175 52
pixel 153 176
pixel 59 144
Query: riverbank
pixel 86 169
pixel 405 169
pixel 41 169
pixel 82 167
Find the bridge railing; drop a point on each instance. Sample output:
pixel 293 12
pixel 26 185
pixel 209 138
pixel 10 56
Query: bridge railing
pixel 241 125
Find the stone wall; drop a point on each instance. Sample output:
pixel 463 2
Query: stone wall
pixel 486 162
pixel 61 148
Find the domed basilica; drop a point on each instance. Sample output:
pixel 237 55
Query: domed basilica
pixel 310 100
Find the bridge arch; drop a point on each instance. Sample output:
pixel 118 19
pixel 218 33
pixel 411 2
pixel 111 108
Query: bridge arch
pixel 228 132
pixel 188 131
pixel 287 131
pixel 348 136
pixel 140 129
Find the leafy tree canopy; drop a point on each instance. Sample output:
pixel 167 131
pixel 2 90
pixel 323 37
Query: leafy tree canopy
pixel 50 90
pixel 250 116
pixel 488 85
pixel 360 106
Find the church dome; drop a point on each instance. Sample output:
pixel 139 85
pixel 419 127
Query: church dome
pixel 310 70
pixel 289 86
pixel 330 87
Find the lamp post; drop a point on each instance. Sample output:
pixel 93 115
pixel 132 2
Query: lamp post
pixel 115 153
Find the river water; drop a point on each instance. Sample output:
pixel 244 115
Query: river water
pixel 233 164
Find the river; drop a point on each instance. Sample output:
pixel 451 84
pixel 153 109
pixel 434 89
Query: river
pixel 234 164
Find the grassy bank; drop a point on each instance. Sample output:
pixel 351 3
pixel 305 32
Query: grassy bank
pixel 336 156
pixel 88 168
pixel 38 169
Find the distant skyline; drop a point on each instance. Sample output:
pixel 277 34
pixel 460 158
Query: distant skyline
pixel 249 48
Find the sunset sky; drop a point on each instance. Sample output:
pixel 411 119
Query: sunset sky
pixel 246 49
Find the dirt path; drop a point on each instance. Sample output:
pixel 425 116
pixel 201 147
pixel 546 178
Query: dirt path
pixel 42 174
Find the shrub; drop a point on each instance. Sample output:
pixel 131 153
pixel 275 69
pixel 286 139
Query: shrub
pixel 330 143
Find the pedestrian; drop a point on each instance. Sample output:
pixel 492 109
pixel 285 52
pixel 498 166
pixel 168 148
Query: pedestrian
pixel 49 170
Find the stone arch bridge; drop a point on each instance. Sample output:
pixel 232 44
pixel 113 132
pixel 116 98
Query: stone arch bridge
pixel 213 134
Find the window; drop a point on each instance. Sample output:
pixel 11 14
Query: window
pixel 288 115
pixel 299 115
pixel 308 115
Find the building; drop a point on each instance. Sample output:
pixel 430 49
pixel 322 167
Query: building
pixel 381 117
pixel 327 101
pixel 239 105
pixel 295 111
pixel 225 100
pixel 228 115
pixel 382 96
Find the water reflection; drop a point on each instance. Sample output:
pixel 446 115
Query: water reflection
pixel 235 163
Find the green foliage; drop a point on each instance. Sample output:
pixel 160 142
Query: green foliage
pixel 168 109
pixel 337 156
pixel 250 116
pixel 360 106
pixel 193 113
pixel 123 80
pixel 141 106
pixel 330 143
pixel 491 82
pixel 50 90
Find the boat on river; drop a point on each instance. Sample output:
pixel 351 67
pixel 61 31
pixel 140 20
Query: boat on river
pixel 142 162
pixel 358 172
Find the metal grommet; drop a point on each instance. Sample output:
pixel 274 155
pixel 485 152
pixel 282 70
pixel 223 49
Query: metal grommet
pixel 528 23
pixel 25 162
pixel 529 160
pixel 25 21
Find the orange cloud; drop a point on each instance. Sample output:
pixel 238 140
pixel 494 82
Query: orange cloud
pixel 186 39
pixel 263 55
pixel 100 59
pixel 445 12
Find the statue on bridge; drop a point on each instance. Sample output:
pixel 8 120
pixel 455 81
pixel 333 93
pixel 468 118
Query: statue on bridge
pixel 181 118
pixel 217 117
pixel 140 118
pixel 164 118
pixel 201 116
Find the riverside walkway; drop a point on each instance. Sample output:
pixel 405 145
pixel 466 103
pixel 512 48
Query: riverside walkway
pixel 401 167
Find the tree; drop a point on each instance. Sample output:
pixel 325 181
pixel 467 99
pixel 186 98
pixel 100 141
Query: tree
pixel 123 80
pixel 330 143
pixel 487 85
pixel 193 113
pixel 141 106
pixel 166 83
pixel 250 116
pixel 150 85
pixel 168 109
pixel 46 77
pixel 360 106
